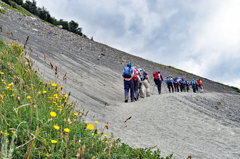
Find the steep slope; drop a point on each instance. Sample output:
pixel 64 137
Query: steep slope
pixel 182 123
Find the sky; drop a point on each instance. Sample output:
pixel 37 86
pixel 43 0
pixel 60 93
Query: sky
pixel 200 37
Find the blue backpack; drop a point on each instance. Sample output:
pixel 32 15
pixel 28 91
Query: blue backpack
pixel 127 72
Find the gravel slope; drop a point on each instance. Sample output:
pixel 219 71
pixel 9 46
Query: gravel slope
pixel 182 123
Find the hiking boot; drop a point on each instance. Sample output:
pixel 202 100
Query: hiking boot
pixel 148 94
pixel 141 96
pixel 132 100
pixel 126 100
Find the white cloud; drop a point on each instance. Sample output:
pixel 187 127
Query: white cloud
pixel 201 37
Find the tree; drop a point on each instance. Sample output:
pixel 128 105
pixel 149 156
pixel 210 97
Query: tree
pixel 34 7
pixel 64 24
pixel 73 26
pixel 19 2
pixel 28 5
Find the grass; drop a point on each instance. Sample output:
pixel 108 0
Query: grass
pixel 17 9
pixel 39 121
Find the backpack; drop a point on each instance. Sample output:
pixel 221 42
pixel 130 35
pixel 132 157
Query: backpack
pixel 142 73
pixel 127 72
pixel 155 75
pixel 135 76
pixel 168 80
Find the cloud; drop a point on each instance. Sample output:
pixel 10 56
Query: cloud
pixel 201 37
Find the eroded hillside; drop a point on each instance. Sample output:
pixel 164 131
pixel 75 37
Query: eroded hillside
pixel 182 123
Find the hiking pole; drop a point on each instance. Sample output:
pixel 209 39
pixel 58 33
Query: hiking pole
pixel 153 89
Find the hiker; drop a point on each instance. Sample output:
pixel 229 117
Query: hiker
pixel 128 82
pixel 144 82
pixel 136 82
pixel 176 85
pixel 158 80
pixel 194 85
pixel 187 85
pixel 170 82
pixel 181 83
pixel 199 82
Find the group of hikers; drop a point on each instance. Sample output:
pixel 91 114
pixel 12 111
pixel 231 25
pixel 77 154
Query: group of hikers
pixel 136 78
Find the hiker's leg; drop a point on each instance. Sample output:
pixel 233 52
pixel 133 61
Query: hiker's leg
pixel 126 88
pixel 160 87
pixel 136 90
pixel 172 87
pixel 131 85
pixel 145 83
pixel 141 90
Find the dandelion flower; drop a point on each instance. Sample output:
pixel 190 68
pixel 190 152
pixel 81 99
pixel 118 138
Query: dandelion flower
pixel 105 135
pixel 66 95
pixel 92 134
pixel 54 84
pixel 39 92
pixel 66 130
pixel 44 91
pixel 79 113
pixel 75 114
pixel 90 126
pixel 54 141
pixel 28 97
pixel 96 122
pixel 8 87
pixel 56 127
pixel 2 73
pixel 9 84
pixel 53 114
pixel 99 133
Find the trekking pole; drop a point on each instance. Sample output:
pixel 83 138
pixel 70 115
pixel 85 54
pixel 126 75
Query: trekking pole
pixel 153 89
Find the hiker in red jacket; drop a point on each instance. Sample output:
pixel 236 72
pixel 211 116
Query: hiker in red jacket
pixel 158 80
pixel 199 82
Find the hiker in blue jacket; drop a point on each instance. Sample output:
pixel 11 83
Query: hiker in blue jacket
pixel 194 85
pixel 170 82
pixel 128 82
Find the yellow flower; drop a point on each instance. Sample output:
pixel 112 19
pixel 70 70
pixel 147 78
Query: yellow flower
pixel 9 84
pixel 53 114
pixel 54 141
pixel 44 91
pixel 90 126
pixel 11 42
pixel 66 130
pixel 99 133
pixel 92 134
pixel 79 113
pixel 39 92
pixel 66 95
pixel 28 97
pixel 8 87
pixel 54 84
pixel 105 135
pixel 75 114
pixel 2 73
pixel 61 87
pixel 96 122
pixel 56 127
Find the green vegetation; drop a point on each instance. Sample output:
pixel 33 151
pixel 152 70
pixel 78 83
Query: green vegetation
pixel 237 89
pixel 15 7
pixel 42 13
pixel 2 11
pixel 39 121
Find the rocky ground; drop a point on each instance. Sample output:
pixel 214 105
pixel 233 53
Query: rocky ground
pixel 203 125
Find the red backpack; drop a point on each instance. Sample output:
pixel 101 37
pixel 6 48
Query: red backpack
pixel 135 77
pixel 155 75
